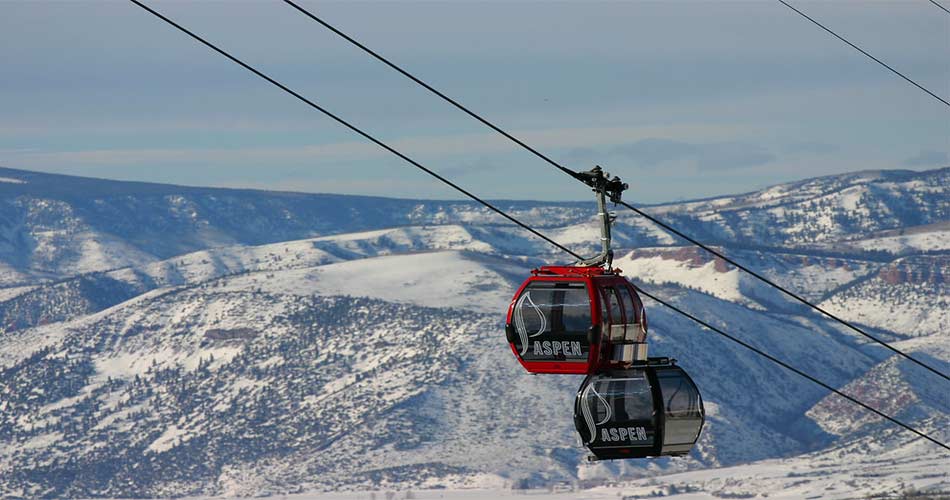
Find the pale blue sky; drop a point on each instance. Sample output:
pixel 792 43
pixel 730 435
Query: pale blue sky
pixel 683 99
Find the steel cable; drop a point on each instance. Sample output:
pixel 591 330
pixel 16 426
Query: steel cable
pixel 519 223
pixel 941 7
pixel 859 49
pixel 352 127
pixel 570 172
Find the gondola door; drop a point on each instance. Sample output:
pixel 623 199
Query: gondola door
pixel 615 417
pixel 624 324
pixel 682 406
pixel 551 326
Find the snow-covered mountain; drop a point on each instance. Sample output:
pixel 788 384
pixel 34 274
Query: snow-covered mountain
pixel 164 341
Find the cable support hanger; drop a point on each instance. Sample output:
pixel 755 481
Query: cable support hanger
pixel 605 187
pixel 510 218
pixel 636 210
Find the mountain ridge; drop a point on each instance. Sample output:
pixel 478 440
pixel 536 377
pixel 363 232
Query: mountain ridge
pixel 43 236
pixel 369 354
pixel 28 175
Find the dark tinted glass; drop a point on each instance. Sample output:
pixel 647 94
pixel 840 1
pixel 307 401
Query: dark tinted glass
pixel 617 326
pixel 629 307
pixel 632 308
pixel 617 412
pixel 551 320
pixel 683 407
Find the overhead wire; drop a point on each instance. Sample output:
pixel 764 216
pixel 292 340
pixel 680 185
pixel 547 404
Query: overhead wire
pixel 517 222
pixel 859 49
pixel 941 7
pixel 350 126
pixel 781 288
pixel 792 369
pixel 428 87
pixel 570 172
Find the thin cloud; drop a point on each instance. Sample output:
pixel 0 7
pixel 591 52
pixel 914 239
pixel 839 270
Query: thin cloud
pixel 653 152
pixel 812 147
pixel 428 145
pixel 464 169
pixel 928 158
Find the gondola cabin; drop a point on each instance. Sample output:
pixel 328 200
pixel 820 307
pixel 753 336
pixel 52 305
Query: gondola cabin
pixel 651 410
pixel 576 320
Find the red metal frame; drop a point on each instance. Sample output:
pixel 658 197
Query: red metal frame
pixel 595 279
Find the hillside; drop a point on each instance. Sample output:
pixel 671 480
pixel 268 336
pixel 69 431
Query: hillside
pixel 168 341
pixel 55 226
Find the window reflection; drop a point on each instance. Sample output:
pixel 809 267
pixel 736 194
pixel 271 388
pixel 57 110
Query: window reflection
pixel 552 320
pixel 683 407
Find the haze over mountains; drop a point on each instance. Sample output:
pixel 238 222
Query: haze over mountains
pixel 162 340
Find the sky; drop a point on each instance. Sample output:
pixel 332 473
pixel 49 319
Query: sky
pixel 682 99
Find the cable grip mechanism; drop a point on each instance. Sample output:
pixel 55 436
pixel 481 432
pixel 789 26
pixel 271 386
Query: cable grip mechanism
pixel 604 188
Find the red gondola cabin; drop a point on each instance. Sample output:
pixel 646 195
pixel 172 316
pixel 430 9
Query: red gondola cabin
pixel 576 320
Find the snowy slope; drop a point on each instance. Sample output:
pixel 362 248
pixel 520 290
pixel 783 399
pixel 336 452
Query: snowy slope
pixel 910 296
pixel 890 465
pixel 22 307
pixel 450 279
pixel 903 468
pixel 928 238
pixel 821 212
pixel 467 419
pixel 811 276
pixel 166 341
pixel 53 227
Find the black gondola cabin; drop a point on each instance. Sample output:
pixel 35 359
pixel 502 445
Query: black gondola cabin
pixel 651 410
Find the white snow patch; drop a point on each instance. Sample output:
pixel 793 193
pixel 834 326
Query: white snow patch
pixel 920 242
pixel 129 364
pixel 443 279
pixel 42 441
pixel 705 278
pixel 13 292
pixel 173 436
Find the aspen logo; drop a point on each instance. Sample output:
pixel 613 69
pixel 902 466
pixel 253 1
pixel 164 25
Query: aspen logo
pixel 523 329
pixel 591 399
pixel 623 434
pixel 556 348
pixel 587 402
pixel 553 348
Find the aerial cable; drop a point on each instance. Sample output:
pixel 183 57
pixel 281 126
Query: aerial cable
pixel 779 287
pixel 516 221
pixel 794 370
pixel 353 128
pixel 574 174
pixel 428 87
pixel 859 49
pixel 940 6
